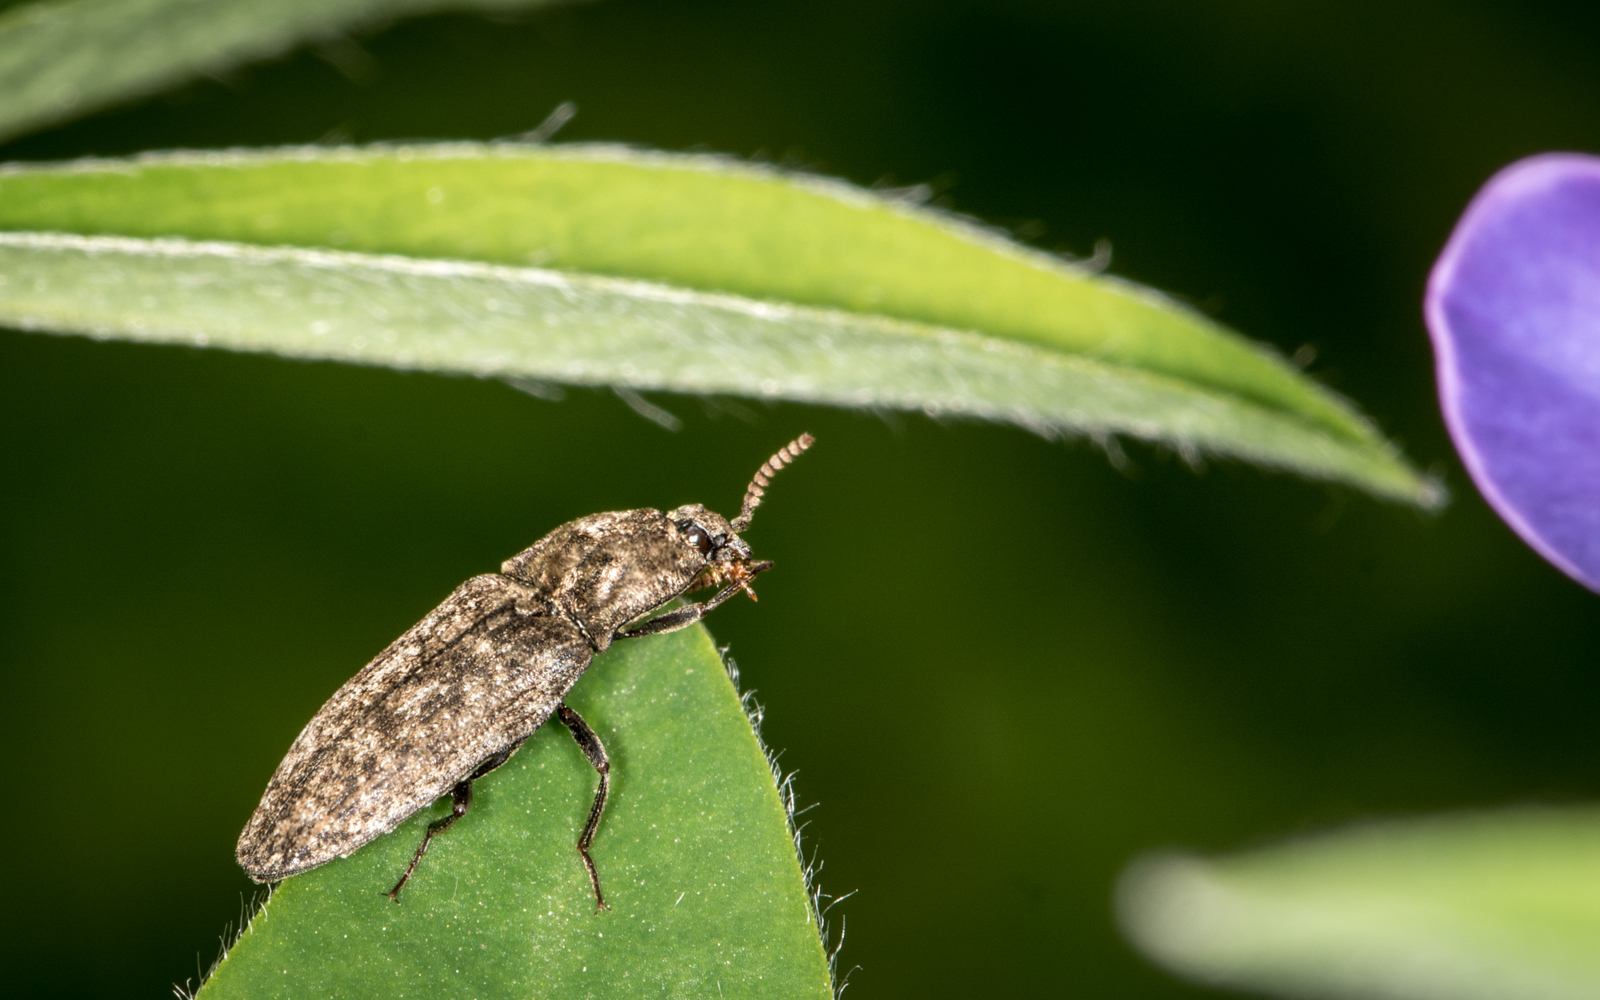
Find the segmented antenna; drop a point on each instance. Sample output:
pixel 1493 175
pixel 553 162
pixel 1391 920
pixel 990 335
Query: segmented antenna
pixel 758 486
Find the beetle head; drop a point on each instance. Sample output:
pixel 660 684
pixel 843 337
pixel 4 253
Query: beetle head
pixel 709 533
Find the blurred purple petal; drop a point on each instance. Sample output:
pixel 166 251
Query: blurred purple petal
pixel 1514 307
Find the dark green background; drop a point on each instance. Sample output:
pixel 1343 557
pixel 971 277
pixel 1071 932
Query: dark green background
pixel 1002 667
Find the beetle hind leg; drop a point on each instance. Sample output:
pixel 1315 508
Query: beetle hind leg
pixel 460 802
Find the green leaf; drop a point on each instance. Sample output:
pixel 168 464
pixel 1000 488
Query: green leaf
pixel 598 265
pixel 62 60
pixel 695 853
pixel 1469 907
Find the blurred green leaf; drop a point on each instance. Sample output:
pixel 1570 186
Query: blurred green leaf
pixel 1472 907
pixel 695 853
pixel 657 272
pixel 62 60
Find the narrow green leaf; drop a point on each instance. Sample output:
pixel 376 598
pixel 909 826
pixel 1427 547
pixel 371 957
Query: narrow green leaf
pixel 732 279
pixel 1475 907
pixel 493 321
pixel 706 893
pixel 65 59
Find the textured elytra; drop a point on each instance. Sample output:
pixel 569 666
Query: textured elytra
pixel 480 674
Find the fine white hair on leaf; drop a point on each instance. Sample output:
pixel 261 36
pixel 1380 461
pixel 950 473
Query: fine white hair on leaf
pixel 810 867
pixel 643 407
pixel 232 933
pixel 546 130
pixel 537 389
pixel 1108 443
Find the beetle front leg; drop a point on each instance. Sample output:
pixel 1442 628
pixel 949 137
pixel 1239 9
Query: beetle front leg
pixel 681 618
pixel 688 615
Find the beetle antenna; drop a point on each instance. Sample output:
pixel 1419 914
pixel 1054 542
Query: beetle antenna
pixel 758 486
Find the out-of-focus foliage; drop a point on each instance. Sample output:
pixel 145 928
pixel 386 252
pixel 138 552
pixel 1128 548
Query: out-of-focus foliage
pixel 61 59
pixel 1476 907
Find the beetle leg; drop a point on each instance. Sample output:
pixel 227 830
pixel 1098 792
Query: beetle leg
pixel 593 749
pixel 681 618
pixel 689 614
pixel 491 763
pixel 460 802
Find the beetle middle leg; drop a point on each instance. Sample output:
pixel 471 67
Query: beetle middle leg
pixel 593 749
pixel 460 802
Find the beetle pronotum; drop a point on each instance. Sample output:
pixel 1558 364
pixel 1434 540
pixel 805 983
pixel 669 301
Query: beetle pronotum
pixel 455 696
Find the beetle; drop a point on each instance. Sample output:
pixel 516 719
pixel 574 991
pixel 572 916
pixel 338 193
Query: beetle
pixel 456 695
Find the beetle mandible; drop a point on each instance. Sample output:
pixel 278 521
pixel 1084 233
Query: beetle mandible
pixel 453 698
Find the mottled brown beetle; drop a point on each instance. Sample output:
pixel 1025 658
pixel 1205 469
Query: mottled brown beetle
pixel 455 696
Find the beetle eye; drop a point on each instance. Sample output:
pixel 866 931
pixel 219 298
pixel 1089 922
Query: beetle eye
pixel 700 539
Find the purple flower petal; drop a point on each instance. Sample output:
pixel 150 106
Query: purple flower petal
pixel 1514 308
